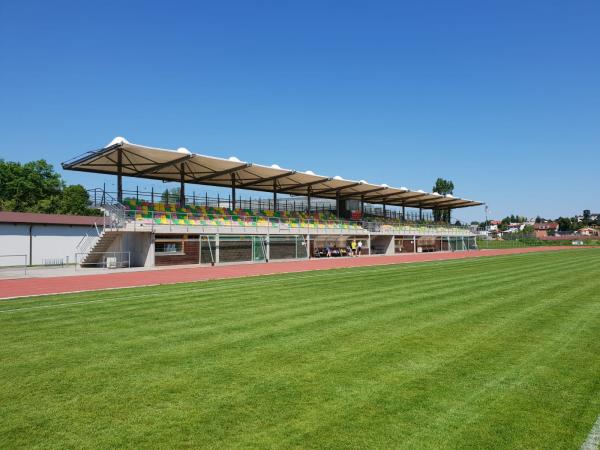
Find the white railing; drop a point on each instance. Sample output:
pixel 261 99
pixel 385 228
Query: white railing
pixel 235 222
pixel 309 225
pixel 116 216
pixel 90 238
pixel 107 260
pixel 18 262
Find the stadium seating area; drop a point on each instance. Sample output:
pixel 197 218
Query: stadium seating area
pixel 196 215
pixel 193 215
pixel 390 225
pixel 419 229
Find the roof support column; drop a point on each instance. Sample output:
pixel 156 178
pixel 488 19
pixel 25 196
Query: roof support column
pixel 420 214
pixel 120 175
pixel 233 191
pixel 274 195
pixel 338 203
pixel 449 215
pixel 182 185
pixel 308 194
pixel 362 205
pixel 403 213
pixel 384 215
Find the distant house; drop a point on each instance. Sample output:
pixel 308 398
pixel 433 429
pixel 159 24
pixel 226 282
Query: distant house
pixel 588 231
pixel 542 229
pixel 587 214
pixel 494 225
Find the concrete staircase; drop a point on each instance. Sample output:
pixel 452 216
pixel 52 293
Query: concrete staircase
pixel 96 255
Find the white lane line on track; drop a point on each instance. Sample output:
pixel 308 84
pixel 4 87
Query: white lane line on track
pixel 593 439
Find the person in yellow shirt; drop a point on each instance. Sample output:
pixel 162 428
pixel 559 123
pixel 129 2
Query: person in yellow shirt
pixel 353 246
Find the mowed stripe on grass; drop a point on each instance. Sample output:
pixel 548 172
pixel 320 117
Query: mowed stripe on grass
pixel 492 352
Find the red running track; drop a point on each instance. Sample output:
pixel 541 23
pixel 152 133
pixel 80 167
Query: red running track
pixel 25 287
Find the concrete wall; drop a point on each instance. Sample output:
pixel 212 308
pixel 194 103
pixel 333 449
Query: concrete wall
pixel 47 242
pixel 139 244
pixel 382 245
pixel 14 240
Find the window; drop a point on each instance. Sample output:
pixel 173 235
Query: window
pixel 169 247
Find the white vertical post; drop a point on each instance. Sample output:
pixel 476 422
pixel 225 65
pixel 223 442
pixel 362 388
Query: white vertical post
pixel 217 249
pixel 268 248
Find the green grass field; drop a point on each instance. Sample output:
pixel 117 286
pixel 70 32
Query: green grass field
pixel 495 352
pixel 531 242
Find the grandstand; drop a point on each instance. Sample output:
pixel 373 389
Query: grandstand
pixel 204 231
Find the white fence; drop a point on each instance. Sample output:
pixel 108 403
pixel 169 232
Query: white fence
pixel 107 260
pixel 14 263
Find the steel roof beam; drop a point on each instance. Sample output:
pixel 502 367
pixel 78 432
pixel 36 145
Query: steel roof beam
pixel 303 185
pixel 383 197
pixel 220 172
pixel 93 154
pixel 440 201
pixel 325 191
pixel 160 166
pixel 264 180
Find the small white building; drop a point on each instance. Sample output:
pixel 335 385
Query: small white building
pixel 42 238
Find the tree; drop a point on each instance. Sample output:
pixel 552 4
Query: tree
pixel 75 200
pixel 36 187
pixel 565 224
pixel 33 186
pixel 528 229
pixel 443 187
pixel 170 195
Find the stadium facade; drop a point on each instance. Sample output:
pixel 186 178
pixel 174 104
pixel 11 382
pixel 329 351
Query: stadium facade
pixel 191 230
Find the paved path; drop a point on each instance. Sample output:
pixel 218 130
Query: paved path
pixel 24 287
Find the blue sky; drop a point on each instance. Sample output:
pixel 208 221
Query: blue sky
pixel 502 97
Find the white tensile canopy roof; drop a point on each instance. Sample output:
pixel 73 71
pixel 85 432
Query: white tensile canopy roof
pixel 123 158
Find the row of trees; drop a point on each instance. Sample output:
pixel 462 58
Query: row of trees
pixel 36 187
pixel 572 224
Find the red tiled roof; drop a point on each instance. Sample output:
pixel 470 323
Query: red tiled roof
pixel 545 226
pixel 47 219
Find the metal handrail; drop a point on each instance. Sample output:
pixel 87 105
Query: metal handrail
pixel 292 204
pixel 101 197
pixel 80 259
pixel 88 240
